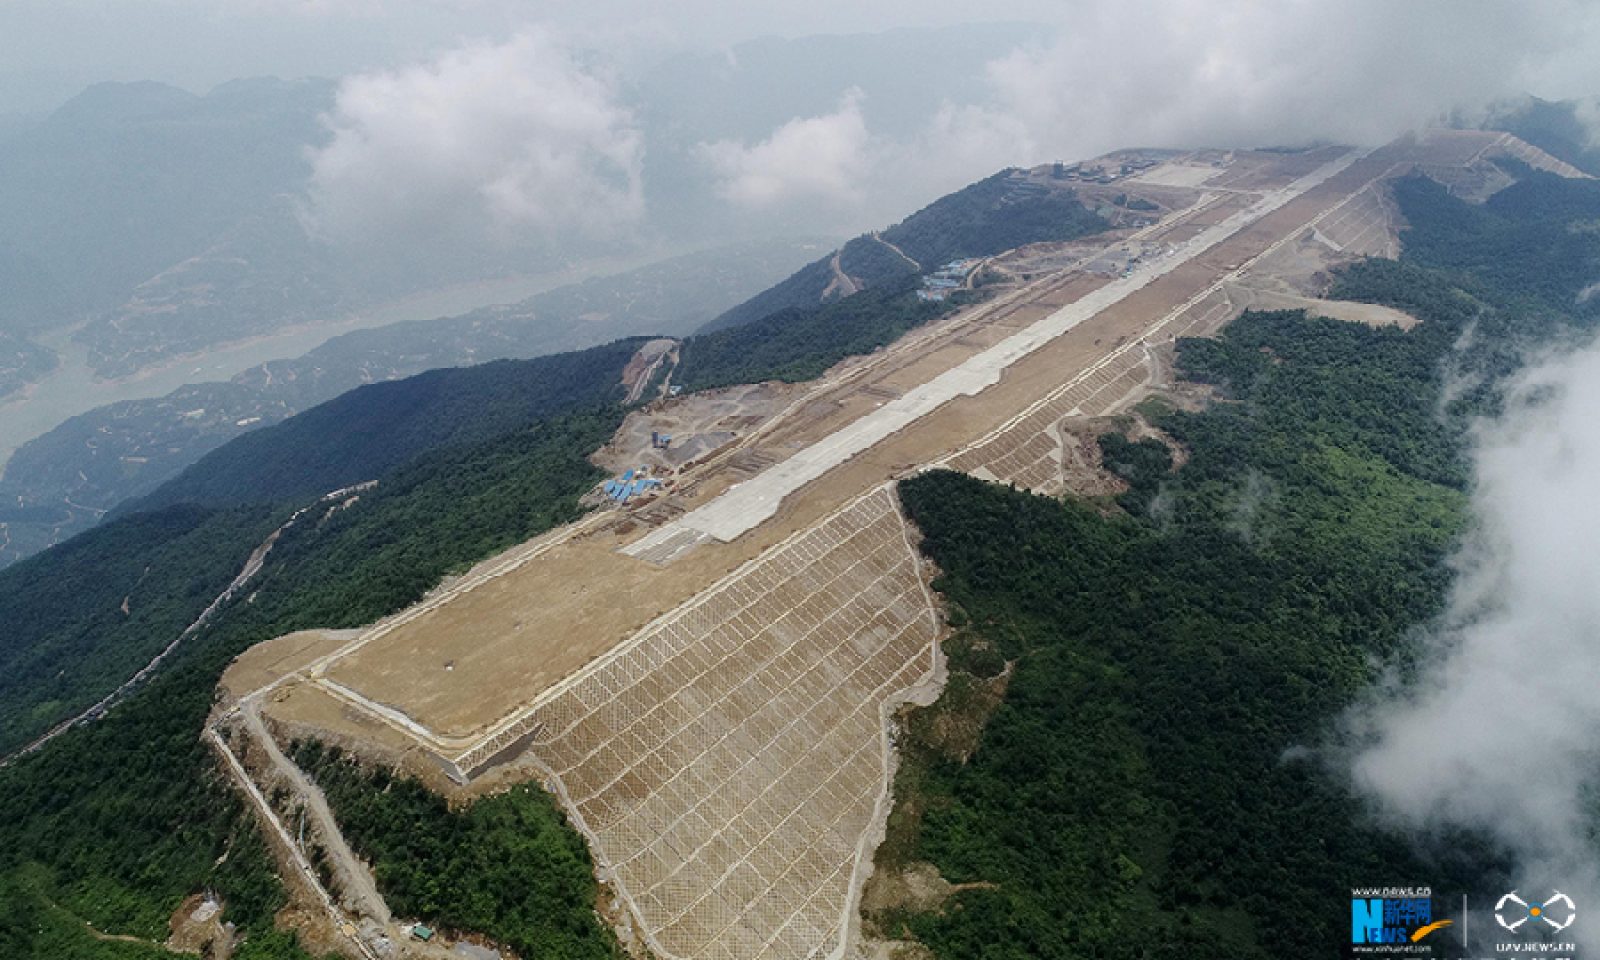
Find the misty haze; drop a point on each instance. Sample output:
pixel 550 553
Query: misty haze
pixel 510 481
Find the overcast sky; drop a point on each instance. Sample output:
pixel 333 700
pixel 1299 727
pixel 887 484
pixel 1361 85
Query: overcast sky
pixel 50 49
pixel 527 120
pixel 531 129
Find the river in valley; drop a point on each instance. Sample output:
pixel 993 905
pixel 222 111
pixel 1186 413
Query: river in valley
pixel 72 388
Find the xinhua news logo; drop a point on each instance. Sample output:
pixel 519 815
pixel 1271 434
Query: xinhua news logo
pixel 1392 915
pixel 1398 922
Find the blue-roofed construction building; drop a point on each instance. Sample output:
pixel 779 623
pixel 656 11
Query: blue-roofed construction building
pixel 632 483
pixel 947 279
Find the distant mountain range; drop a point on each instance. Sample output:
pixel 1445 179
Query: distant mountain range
pixel 110 202
pixel 165 222
pixel 63 481
pixel 158 223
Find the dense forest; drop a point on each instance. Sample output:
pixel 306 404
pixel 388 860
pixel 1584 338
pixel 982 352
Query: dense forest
pixel 1124 762
pixel 506 866
pixel 116 822
pixel 993 215
pixel 802 289
pixel 368 431
pixel 89 614
pixel 1533 240
pixel 873 262
pixel 96 609
pixel 799 344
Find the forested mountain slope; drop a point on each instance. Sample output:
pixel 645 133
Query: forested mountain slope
pixel 799 343
pixel 72 847
pixel 88 614
pixel 85 617
pixel 997 213
pixel 1555 126
pixel 1113 768
pixel 362 434
pixel 116 822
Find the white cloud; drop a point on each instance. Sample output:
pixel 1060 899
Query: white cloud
pixel 516 139
pixel 807 159
pixel 1364 71
pixel 1588 113
pixel 1501 731
pixel 1183 73
pixel 320 9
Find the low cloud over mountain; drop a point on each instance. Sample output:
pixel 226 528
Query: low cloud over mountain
pixel 1498 733
pixel 518 140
